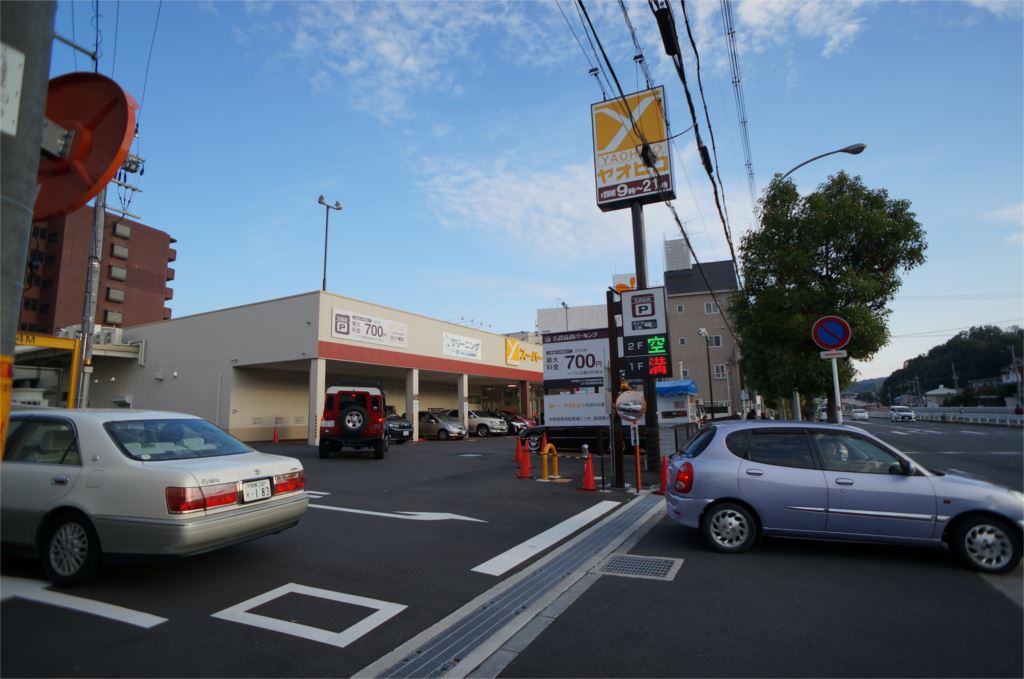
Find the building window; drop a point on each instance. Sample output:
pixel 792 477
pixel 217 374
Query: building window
pixel 119 251
pixel 118 273
pixel 719 371
pixel 50 259
pixel 47 284
pixel 30 305
pixel 711 307
pixel 44 309
pixel 682 341
pixel 52 237
pixel 714 340
pixel 685 373
pixel 679 308
pixel 115 317
pixel 122 230
pixel 115 295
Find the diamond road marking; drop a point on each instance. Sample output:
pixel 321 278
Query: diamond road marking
pixel 240 614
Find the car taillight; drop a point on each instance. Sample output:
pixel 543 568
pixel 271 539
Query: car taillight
pixel 684 478
pixel 290 482
pixel 220 495
pixel 182 500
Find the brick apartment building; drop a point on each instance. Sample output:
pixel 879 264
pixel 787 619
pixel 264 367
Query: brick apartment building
pixel 134 273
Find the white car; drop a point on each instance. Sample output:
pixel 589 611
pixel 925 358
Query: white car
pixel 482 423
pixel 901 414
pixel 859 414
pixel 81 486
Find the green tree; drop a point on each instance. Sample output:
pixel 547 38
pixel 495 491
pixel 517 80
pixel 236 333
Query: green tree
pixel 838 251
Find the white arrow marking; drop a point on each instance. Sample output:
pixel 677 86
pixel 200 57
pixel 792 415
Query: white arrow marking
pixel 34 590
pixel 412 516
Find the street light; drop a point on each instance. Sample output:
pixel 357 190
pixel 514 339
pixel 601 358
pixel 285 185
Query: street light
pixel 566 307
pixel 711 388
pixel 853 149
pixel 327 219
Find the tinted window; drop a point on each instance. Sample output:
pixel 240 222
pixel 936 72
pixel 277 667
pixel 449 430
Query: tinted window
pixel 699 443
pixel 44 442
pixel 843 453
pixel 736 442
pixel 329 403
pixel 154 440
pixel 784 449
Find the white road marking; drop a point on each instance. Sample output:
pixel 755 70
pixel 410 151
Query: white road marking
pixel 412 516
pixel 316 494
pixel 240 614
pixel 976 433
pixel 900 433
pixel 508 560
pixel 36 590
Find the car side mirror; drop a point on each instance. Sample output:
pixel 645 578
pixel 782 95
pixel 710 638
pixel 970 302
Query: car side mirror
pixel 905 467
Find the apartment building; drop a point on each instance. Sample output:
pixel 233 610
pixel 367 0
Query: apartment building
pixel 134 273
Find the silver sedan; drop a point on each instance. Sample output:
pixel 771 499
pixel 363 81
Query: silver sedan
pixel 79 486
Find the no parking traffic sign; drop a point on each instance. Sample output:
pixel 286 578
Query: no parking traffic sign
pixel 830 333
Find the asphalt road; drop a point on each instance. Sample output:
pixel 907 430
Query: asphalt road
pixel 785 608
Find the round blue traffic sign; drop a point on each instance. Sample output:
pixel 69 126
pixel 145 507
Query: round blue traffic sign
pixel 830 333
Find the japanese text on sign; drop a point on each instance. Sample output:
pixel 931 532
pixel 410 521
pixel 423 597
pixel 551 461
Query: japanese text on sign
pixel 360 327
pixel 461 347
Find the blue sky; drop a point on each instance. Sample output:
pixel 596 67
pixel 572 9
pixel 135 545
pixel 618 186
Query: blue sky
pixel 458 137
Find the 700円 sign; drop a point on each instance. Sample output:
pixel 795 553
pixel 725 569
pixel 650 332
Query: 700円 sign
pixel 575 359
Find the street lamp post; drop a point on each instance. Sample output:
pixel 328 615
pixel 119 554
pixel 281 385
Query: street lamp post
pixel 711 388
pixel 327 220
pixel 852 149
pixel 566 307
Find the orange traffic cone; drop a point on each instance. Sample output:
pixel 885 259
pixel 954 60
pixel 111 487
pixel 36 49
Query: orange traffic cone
pixel 664 474
pixel 588 475
pixel 524 465
pixel 275 435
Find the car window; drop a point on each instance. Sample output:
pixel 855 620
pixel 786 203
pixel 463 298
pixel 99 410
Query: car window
pixel 166 439
pixel 843 453
pixel 783 449
pixel 699 443
pixel 44 442
pixel 329 403
pixel 736 442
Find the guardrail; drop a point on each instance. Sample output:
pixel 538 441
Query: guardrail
pixel 991 419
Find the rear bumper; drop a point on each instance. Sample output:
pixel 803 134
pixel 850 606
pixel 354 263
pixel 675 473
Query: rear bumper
pixel 340 441
pixel 685 510
pixel 193 534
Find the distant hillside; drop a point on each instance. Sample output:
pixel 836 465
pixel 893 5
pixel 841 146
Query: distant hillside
pixel 872 385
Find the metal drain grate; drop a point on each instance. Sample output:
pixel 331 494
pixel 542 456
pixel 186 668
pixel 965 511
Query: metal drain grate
pixel 636 566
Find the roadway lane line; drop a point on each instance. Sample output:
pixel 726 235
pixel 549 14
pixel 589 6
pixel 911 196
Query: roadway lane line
pixel 976 433
pixel 527 550
pixel 35 590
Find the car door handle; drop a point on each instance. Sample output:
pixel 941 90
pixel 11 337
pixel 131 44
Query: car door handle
pixel 755 472
pixel 59 481
pixel 844 482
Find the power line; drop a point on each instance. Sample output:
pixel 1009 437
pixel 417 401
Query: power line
pixel 117 25
pixel 73 38
pixel 600 70
pixel 741 106
pixel 592 69
pixel 926 333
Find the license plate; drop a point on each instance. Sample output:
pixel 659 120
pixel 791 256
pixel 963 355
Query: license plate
pixel 255 490
pixel 406 433
pixel 327 424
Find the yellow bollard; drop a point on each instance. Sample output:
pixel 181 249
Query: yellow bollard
pixel 554 461
pixel 544 465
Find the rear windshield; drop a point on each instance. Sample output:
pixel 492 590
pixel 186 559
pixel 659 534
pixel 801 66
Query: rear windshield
pixel 698 443
pixel 155 440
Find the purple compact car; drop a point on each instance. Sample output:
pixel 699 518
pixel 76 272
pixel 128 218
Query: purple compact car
pixel 737 480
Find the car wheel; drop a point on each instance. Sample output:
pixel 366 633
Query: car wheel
pixel 70 550
pixel 482 431
pixel 987 544
pixel 353 418
pixel 729 528
pixel 442 434
pixel 380 446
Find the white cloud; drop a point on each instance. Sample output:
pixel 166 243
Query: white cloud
pixel 1003 9
pixel 769 23
pixel 1015 238
pixel 1011 213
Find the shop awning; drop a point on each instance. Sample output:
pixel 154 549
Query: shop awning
pixel 674 387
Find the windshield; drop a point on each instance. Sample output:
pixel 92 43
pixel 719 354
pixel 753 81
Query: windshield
pixel 166 439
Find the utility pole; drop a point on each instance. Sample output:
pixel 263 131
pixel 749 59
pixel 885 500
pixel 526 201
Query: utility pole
pixel 652 436
pixel 956 378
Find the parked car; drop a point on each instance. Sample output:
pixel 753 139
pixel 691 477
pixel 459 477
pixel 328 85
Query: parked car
pixel 901 414
pixel 399 428
pixel 78 487
pixel 354 417
pixel 440 426
pixel 859 414
pixel 482 423
pixel 516 422
pixel 738 480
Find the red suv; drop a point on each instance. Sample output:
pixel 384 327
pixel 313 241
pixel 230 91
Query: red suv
pixel 354 417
